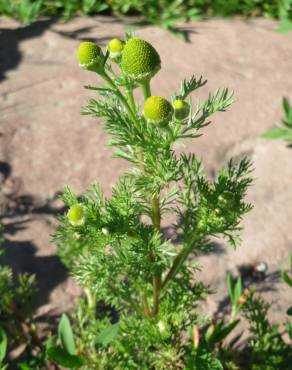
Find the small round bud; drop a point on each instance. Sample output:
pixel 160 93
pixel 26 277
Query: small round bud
pixel 105 231
pixel 161 326
pixel 90 57
pixel 115 48
pixel 181 109
pixel 76 215
pixel 140 61
pixel 157 110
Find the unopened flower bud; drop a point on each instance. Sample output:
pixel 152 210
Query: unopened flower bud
pixel 161 326
pixel 157 110
pixel 115 48
pixel 140 61
pixel 196 336
pixel 181 109
pixel 90 57
pixel 105 231
pixel 76 215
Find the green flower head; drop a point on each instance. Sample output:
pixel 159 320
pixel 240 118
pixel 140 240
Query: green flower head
pixel 90 57
pixel 76 215
pixel 140 61
pixel 157 110
pixel 115 48
pixel 181 109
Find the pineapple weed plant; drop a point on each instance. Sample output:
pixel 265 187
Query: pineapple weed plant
pixel 140 307
pixel 140 310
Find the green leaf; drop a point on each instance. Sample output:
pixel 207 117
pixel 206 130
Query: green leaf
pixel 238 289
pixel 287 112
pixel 24 366
pixel 51 342
pixel 108 334
pixel 66 335
pixel 230 287
pixel 286 107
pixel 289 311
pixel 221 331
pixel 62 358
pixel 278 133
pixel 286 277
pixel 3 344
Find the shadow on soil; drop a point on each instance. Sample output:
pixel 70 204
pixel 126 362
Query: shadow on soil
pixel 20 255
pixel 11 38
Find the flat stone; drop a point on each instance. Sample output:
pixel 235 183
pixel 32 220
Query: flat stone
pixel 48 144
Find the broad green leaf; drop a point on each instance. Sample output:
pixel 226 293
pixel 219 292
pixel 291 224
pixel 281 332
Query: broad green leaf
pixel 51 342
pixel 108 334
pixel 278 133
pixel 62 358
pixel 3 344
pixel 66 335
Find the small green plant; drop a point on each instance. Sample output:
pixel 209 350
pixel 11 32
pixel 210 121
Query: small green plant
pixel 287 278
pixel 284 132
pixel 16 311
pixel 116 248
pixel 235 291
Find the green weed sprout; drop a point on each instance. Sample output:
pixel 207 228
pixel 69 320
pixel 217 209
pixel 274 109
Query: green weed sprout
pixel 284 132
pixel 117 248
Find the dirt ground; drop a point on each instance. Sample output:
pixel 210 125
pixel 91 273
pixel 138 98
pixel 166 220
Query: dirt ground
pixel 45 143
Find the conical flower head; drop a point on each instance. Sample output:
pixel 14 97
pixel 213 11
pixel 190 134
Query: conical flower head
pixel 181 109
pixel 157 110
pixel 90 57
pixel 115 48
pixel 140 61
pixel 76 215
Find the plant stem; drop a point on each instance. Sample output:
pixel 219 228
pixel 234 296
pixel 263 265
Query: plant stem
pixel 146 305
pixel 156 219
pixel 178 262
pixel 131 100
pixel 146 89
pixel 89 297
pixel 111 83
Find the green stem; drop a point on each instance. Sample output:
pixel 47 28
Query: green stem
pixel 156 220
pixel 111 83
pixel 147 312
pixel 177 263
pixel 131 101
pixel 146 89
pixel 90 299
